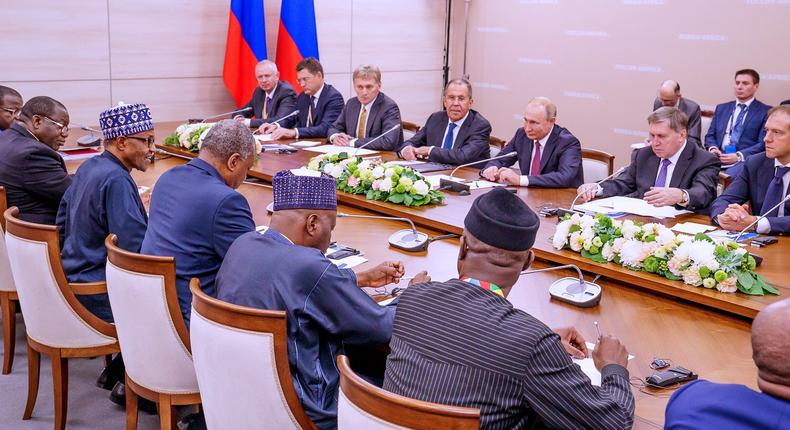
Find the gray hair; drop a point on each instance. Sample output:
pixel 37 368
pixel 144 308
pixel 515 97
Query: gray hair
pixel 268 63
pixel 677 120
pixel 229 137
pixel 366 71
pixel 459 81
pixel 548 106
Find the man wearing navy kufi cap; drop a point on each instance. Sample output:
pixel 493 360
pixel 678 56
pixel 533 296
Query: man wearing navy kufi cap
pixel 325 306
pixel 462 343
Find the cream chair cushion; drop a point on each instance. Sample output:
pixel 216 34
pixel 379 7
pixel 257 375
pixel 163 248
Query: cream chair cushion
pixel 6 278
pixel 239 385
pixel 153 353
pixel 49 319
pixel 351 417
pixel 594 170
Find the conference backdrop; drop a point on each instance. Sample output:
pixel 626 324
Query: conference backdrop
pixel 601 61
pixel 91 54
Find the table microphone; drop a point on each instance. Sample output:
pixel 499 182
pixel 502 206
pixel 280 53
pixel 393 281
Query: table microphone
pixel 460 187
pixel 296 112
pixel 397 126
pixel 408 239
pixel 787 197
pixel 562 212
pixel 90 140
pixel 575 291
pixel 197 120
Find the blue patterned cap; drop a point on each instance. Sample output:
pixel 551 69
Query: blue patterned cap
pixel 125 120
pixel 310 190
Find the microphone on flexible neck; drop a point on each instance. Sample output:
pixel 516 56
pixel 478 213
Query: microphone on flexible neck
pixel 460 187
pixel 296 112
pixel 571 290
pixel 571 210
pixel 395 127
pixel 751 224
pixel 90 139
pixel 408 239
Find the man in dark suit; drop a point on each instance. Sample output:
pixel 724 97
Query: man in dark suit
pixel 31 169
pixel 762 183
pixel 668 172
pixel 549 156
pixel 195 211
pixel 10 106
pixel 368 115
pixel 736 130
pixel 706 405
pixel 456 135
pixel 272 100
pixel 319 105
pixel 669 95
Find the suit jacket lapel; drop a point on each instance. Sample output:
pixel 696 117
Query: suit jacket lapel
pixel 353 113
pixel 322 100
pixel 464 129
pixel 550 147
pixel 375 111
pixel 681 168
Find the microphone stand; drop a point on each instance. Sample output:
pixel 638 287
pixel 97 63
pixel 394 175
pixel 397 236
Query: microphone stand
pixel 374 139
pixel 197 120
pixel 570 211
pixel 460 187
pixel 751 224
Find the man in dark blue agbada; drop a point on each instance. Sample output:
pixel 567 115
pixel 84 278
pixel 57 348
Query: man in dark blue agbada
pixel 325 306
pixel 196 212
pixel 103 199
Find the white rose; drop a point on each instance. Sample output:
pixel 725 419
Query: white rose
pixel 421 188
pixel 576 241
pixel 730 285
pixel 313 164
pixel 389 172
pixel 607 252
pixel 337 171
pixel 560 238
pixel 386 185
pixel 709 283
pixel 328 168
pixel 365 164
pixel 378 172
pixel 691 276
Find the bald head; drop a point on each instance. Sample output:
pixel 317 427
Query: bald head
pixel 771 343
pixel 669 93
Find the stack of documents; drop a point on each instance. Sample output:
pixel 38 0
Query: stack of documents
pixel 631 206
pixel 588 366
pixel 332 149
pixel 434 180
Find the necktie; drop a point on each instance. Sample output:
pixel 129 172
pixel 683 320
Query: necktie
pixel 310 112
pixel 775 193
pixel 448 140
pixel 267 106
pixel 535 168
pixel 737 128
pixel 661 180
pixel 361 126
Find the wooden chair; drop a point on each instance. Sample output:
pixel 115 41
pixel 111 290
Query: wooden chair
pixel 409 129
pixel 596 164
pixel 495 144
pixel 57 324
pixel 9 299
pixel 363 405
pixel 156 349
pixel 241 361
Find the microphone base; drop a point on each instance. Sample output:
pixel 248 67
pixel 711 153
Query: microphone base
pixel 457 187
pixel 571 290
pixel 194 120
pixel 89 141
pixel 561 212
pixel 408 241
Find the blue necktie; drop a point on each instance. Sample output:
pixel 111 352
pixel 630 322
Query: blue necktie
pixel 775 193
pixel 268 107
pixel 448 140
pixel 661 180
pixel 737 129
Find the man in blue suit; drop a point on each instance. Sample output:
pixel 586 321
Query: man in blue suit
pixel 549 156
pixel 706 405
pixel 736 130
pixel 757 191
pixel 319 105
pixel 195 211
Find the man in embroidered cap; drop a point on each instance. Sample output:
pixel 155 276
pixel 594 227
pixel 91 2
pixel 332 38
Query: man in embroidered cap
pixel 462 343
pixel 103 199
pixel 325 305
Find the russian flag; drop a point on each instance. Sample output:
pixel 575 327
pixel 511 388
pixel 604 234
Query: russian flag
pixel 246 46
pixel 296 38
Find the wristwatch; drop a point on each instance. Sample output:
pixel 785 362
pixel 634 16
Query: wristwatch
pixel 684 199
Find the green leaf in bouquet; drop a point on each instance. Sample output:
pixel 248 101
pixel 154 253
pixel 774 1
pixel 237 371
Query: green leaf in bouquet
pixel 651 264
pixel 597 257
pixel 703 236
pixel 370 194
pixel 758 279
pixel 396 198
pixel 574 228
pixel 671 276
pixel 745 280
pixel 407 200
pixel 343 156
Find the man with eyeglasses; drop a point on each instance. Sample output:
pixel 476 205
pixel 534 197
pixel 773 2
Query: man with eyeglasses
pixel 31 170
pixel 10 105
pixel 456 135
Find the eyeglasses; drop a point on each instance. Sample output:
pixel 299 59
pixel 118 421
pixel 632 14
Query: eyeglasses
pixel 63 128
pixel 148 140
pixel 14 112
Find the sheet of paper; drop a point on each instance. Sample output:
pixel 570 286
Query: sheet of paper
pixel 263 137
pixel 306 143
pixel 588 366
pixel 385 302
pixel 433 181
pixel 404 163
pixel 141 189
pixel 332 149
pixel 631 206
pixel 692 228
pixel 71 154
pixel 276 146
pixel 349 262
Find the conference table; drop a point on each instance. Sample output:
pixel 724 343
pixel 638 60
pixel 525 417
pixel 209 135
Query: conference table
pixel 701 330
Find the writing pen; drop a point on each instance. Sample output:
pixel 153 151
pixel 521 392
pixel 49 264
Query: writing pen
pixel 597 329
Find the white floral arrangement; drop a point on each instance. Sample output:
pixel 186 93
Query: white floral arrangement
pixel 191 136
pixel 376 180
pixel 699 261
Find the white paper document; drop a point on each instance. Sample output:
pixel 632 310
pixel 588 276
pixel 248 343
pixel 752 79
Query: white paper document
pixel 332 149
pixel 306 143
pixel 588 366
pixel 692 228
pixel 263 137
pixel 629 205
pixel 404 163
pixel 433 181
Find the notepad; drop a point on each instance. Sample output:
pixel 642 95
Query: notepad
pixel 433 181
pixel 588 366
pixel 630 205
pixel 692 228
pixel 72 154
pixel 263 137
pixel 333 149
pixel 306 143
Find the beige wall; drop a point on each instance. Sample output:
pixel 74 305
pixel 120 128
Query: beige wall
pixel 169 53
pixel 602 61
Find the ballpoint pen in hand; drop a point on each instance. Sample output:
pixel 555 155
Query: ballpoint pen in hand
pixel 597 329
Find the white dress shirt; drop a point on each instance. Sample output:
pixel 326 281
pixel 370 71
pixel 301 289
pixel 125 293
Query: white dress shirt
pixel 764 226
pixel 524 179
pixel 731 123
pixel 269 96
pixel 359 116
